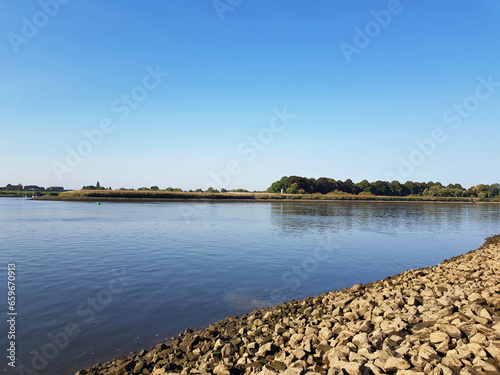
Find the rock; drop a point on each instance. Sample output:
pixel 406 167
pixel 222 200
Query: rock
pixel 228 350
pixel 442 370
pixel 299 353
pixel 437 337
pixel 394 363
pixel 325 333
pixel 353 368
pixel 452 331
pixel 267 371
pixel 219 344
pixel 277 366
pixel 360 339
pixel 486 367
pixel 476 298
pixel 220 369
pixel 367 326
pixel 478 338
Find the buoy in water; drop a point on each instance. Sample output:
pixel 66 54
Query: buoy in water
pixel 98 202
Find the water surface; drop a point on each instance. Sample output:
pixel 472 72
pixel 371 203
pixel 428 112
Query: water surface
pixel 123 276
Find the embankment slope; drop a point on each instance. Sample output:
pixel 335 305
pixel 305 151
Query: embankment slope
pixel 438 320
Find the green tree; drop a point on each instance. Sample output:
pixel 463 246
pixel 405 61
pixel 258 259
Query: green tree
pixel 364 186
pixel 399 190
pixel 293 189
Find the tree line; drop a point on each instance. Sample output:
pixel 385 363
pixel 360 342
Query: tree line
pixel 98 186
pixel 324 185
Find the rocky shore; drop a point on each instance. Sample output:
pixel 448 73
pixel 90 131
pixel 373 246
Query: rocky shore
pixel 441 320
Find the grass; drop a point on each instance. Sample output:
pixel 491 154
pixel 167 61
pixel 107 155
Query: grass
pixel 167 195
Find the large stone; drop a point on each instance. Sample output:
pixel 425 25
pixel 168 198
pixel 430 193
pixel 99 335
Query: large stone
pixel 361 339
pixel 228 350
pixel 267 371
pixel 437 337
pixel 325 333
pixel 476 298
pixel 293 371
pixel 394 363
pixel 353 368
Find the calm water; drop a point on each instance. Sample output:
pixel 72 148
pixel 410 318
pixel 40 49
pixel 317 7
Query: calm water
pixel 101 281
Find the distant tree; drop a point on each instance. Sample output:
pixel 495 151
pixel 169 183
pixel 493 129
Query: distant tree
pixel 399 190
pixel 381 188
pixel 275 187
pixel 154 188
pixel 293 189
pixel 143 188
pixel 199 190
pixel 412 187
pixel 364 186
pixel 98 185
pixel 223 190
pixel 325 185
pixel 349 187
pixel 212 190
pixel 495 190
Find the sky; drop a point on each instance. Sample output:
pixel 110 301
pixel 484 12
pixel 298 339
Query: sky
pixel 238 93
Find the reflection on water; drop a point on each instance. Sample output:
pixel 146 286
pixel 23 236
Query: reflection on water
pixel 387 218
pixel 191 270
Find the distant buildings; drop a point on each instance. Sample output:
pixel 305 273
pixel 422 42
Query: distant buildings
pixel 20 187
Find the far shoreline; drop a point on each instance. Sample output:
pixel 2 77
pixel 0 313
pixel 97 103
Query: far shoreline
pixel 166 196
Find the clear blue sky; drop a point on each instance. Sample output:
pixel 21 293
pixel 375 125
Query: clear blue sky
pixel 364 80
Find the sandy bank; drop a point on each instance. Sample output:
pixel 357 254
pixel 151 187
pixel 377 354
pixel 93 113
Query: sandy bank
pixel 438 320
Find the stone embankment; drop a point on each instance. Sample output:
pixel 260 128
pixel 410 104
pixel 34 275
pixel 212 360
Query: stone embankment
pixel 439 320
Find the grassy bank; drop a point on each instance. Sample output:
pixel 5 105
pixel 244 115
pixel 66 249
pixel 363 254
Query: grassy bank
pixel 118 195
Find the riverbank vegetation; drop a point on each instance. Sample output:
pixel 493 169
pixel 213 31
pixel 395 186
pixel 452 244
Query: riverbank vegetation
pixel 323 185
pixel 301 188
pixel 145 195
